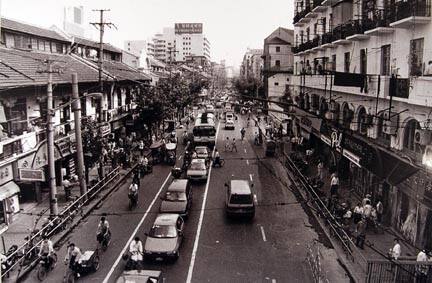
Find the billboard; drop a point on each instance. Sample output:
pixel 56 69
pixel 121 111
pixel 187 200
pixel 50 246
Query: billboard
pixel 181 28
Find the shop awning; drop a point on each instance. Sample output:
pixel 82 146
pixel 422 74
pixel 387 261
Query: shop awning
pixel 9 189
pixel 395 169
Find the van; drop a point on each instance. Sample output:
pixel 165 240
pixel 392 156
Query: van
pixel 239 199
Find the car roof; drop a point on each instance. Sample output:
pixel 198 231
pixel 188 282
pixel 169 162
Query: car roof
pixel 178 185
pixel 139 276
pixel 240 187
pixel 166 219
pixel 201 147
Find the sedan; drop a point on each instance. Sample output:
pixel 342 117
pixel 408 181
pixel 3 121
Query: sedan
pixel 165 237
pixel 178 198
pixel 198 170
pixel 229 125
pixel 140 276
pixel 202 152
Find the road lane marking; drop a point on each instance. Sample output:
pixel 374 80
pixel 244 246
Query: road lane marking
pixel 180 157
pixel 247 161
pixel 255 199
pixel 250 177
pixel 263 234
pixel 197 235
pixel 113 267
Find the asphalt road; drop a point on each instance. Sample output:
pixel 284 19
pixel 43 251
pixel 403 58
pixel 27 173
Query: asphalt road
pixel 271 248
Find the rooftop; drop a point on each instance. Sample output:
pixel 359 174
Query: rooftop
pixel 21 27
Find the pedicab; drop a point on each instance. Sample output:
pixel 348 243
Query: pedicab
pixel 171 153
pixel 157 152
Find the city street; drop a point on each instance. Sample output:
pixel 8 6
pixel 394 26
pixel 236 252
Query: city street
pixel 270 248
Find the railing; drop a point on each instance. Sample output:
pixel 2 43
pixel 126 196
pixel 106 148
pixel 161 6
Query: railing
pixel 379 18
pixel 389 271
pixel 317 3
pixel 60 221
pixel 313 258
pixel 328 37
pixel 301 14
pixel 420 8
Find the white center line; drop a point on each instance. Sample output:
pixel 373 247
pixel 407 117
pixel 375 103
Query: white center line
pixel 255 199
pixel 247 161
pixel 135 231
pixel 263 234
pixel 197 235
pixel 250 177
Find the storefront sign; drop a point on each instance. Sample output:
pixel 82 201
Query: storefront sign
pixel 351 157
pixel 105 129
pixel 6 174
pixel 308 121
pixel 117 125
pixel 31 174
pixel 336 140
pixel 130 122
pixel 41 156
pixel 326 140
pixel 26 161
pixel 188 28
pixel 360 148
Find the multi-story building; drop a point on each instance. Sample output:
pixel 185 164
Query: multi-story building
pixel 362 92
pixel 135 46
pixel 277 69
pixel 24 52
pixel 252 64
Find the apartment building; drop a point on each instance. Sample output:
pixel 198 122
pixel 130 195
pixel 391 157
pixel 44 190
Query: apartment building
pixel 362 99
pixel 252 64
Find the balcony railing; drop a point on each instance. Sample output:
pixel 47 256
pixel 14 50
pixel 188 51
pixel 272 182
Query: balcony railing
pixel 301 14
pixel 328 37
pixel 317 3
pixel 380 18
pixel 419 8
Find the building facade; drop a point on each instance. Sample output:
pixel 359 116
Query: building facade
pixel 361 94
pixel 252 64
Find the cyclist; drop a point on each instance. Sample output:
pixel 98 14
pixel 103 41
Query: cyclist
pixel 133 191
pixel 102 230
pixel 46 250
pixel 73 255
pixel 136 250
pixel 217 158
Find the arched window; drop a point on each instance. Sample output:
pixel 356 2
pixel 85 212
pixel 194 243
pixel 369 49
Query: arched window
pixel 409 135
pixel 362 120
pixel 307 102
pixel 347 116
pixel 323 108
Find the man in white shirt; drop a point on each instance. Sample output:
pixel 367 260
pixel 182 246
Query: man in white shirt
pixel 334 184
pixel 395 252
pixel 136 249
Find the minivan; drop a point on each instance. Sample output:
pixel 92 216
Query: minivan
pixel 239 199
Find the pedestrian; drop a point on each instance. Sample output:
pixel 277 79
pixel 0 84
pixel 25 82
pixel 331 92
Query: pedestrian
pixel 227 144
pixel 422 269
pixel 395 252
pixel 334 184
pixel 67 186
pixel 320 170
pixel 141 147
pixel 256 122
pixel 358 213
pixel 233 145
pixel 379 210
pixel 361 233
pixel 242 133
pixel 366 198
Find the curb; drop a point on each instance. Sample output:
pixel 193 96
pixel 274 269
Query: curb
pixel 353 276
pixel 91 207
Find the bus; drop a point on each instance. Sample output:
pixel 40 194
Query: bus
pixel 204 131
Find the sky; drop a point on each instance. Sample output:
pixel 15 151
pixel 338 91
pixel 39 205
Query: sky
pixel 232 26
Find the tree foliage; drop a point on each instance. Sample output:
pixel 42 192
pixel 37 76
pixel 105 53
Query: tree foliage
pixel 92 141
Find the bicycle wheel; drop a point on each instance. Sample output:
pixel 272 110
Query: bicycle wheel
pixel 69 277
pixel 41 272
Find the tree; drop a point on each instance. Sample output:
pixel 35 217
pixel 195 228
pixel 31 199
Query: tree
pixel 92 144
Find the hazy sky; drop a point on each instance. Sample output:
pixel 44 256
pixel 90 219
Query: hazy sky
pixel 231 25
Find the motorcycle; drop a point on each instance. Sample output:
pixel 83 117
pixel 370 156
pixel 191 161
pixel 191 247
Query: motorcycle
pixel 46 266
pixel 220 164
pixel 133 261
pixel 104 240
pixel 11 258
pixel 133 200
pixel 89 262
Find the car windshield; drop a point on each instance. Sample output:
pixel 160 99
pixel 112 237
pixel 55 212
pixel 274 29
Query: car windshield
pixel 241 199
pixel 197 166
pixel 201 151
pixel 175 196
pixel 163 231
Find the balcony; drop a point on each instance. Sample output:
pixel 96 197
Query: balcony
pixel 378 24
pixel 413 12
pixel 355 31
pixel 340 33
pixel 329 2
pixel 327 39
pixel 299 17
pixel 318 6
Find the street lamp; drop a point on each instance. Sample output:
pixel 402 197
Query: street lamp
pixel 50 141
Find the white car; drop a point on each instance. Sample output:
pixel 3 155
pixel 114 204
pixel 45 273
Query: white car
pixel 202 152
pixel 229 125
pixel 197 170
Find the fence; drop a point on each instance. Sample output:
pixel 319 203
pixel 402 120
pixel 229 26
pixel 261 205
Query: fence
pixel 60 221
pixel 313 258
pixel 386 271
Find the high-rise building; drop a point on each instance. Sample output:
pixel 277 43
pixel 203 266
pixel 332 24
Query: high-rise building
pixel 191 44
pixel 252 64
pixel 135 46
pixel 73 21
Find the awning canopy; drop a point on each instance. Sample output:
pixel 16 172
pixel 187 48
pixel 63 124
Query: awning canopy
pixel 9 189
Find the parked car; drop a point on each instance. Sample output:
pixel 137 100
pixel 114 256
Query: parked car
pixel 197 170
pixel 229 125
pixel 239 200
pixel 141 276
pixel 178 198
pixel 165 237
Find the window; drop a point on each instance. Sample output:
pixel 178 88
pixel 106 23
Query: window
pixel 347 62
pixel 307 34
pixel 277 48
pixel 277 63
pixel 333 63
pixel 315 30
pixel 416 57
pixel 47 46
pixel 276 83
pixel 363 61
pixel 41 45
pixel 385 60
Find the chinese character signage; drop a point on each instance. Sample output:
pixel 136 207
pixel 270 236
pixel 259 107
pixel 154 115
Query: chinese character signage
pixel 181 28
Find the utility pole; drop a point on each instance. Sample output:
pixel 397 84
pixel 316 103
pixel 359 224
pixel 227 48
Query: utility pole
pixel 50 141
pixel 76 107
pixel 101 26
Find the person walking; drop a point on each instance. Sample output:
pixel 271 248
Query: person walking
pixel 395 252
pixel 320 170
pixel 141 147
pixel 361 233
pixel 227 144
pixel 334 184
pixel 366 199
pixel 379 211
pixel 357 213
pixel 242 133
pixel 421 269
pixel 233 145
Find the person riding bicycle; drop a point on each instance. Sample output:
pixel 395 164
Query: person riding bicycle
pixel 102 230
pixel 242 132
pixel 217 157
pixel 136 250
pixel 133 189
pixel 73 256
pixel 46 250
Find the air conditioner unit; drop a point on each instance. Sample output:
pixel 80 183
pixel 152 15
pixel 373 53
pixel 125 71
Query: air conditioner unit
pixel 368 120
pixel 427 156
pixel 333 107
pixel 331 116
pixel 423 137
pixel 390 123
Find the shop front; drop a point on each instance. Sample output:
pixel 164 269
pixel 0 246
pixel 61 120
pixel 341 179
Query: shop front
pixel 9 201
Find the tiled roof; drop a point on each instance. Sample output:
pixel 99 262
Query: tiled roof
pixel 123 72
pixel 20 68
pixel 13 25
pixel 91 43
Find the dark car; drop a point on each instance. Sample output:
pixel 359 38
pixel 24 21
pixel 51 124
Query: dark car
pixel 178 198
pixel 165 237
